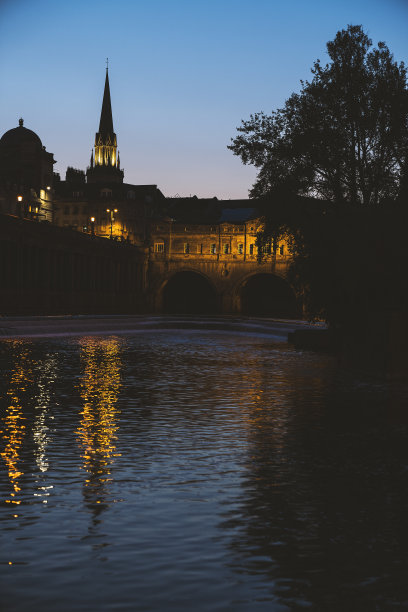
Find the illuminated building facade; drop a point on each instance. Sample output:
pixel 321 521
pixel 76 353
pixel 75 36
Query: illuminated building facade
pixel 97 201
pixel 204 250
pixel 26 175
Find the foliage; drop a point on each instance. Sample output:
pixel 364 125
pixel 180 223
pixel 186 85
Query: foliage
pixel 348 261
pixel 344 137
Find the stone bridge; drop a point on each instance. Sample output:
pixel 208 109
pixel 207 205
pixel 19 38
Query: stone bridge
pixel 185 283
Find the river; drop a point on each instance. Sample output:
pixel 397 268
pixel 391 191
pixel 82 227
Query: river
pixel 198 466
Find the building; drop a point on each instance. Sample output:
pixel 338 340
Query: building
pixel 203 258
pixel 185 254
pixel 97 201
pixel 26 175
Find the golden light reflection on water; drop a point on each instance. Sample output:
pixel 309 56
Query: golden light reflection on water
pixel 100 386
pixel 29 387
pixel 13 427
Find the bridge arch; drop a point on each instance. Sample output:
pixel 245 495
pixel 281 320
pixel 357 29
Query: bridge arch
pixel 267 294
pixel 188 292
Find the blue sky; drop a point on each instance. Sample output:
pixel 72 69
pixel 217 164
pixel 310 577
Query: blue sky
pixel 182 74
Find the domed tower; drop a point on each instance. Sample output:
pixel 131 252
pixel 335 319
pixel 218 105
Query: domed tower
pixel 26 174
pixel 105 163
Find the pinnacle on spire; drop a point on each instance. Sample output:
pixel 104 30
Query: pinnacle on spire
pixel 106 122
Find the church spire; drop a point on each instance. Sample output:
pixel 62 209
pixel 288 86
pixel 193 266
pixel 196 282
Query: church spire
pixel 105 164
pixel 106 121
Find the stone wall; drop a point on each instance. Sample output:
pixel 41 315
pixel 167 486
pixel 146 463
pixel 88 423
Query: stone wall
pixel 49 270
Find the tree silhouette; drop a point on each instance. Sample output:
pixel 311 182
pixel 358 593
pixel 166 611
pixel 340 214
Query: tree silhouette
pixel 344 137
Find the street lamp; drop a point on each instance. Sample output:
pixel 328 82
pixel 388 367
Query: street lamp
pixel 93 226
pixel 112 218
pixel 20 205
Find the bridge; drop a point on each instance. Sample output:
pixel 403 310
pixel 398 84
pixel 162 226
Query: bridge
pixel 46 269
pixel 196 286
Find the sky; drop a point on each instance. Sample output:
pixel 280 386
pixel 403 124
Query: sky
pixel 183 74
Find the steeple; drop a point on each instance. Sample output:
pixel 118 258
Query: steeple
pixel 106 122
pixel 105 166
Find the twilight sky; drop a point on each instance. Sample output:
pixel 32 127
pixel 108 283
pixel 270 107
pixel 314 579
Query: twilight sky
pixel 183 73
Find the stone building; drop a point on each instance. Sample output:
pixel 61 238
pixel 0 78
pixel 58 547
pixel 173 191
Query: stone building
pixel 26 175
pixel 203 257
pixel 98 202
pixel 185 254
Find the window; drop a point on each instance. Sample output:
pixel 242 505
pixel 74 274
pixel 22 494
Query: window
pixel 200 248
pixel 213 249
pixel 251 249
pixel 66 210
pixel 75 210
pixel 159 247
pixel 106 193
pixel 281 249
pixel 240 248
pixel 130 195
pixel 226 248
pixel 186 247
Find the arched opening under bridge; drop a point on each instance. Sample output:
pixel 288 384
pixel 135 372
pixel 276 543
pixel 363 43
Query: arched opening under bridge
pixel 189 293
pixel 268 295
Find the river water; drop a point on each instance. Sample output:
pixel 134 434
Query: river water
pixel 193 469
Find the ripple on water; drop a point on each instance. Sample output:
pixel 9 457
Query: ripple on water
pixel 206 469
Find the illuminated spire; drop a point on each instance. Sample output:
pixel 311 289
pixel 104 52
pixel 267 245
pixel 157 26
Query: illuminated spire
pixel 104 163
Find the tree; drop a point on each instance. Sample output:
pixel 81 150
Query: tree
pixel 344 137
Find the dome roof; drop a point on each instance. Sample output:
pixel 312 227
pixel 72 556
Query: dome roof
pixel 18 135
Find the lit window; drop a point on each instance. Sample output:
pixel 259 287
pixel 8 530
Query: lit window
pixel 159 247
pixel 240 248
pixel 186 247
pixel 213 249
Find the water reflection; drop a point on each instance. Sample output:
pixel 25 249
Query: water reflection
pixel 25 423
pixel 255 478
pixel 13 422
pixel 100 386
pixel 319 514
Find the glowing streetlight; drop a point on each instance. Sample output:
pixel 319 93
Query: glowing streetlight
pixel 93 226
pixel 111 211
